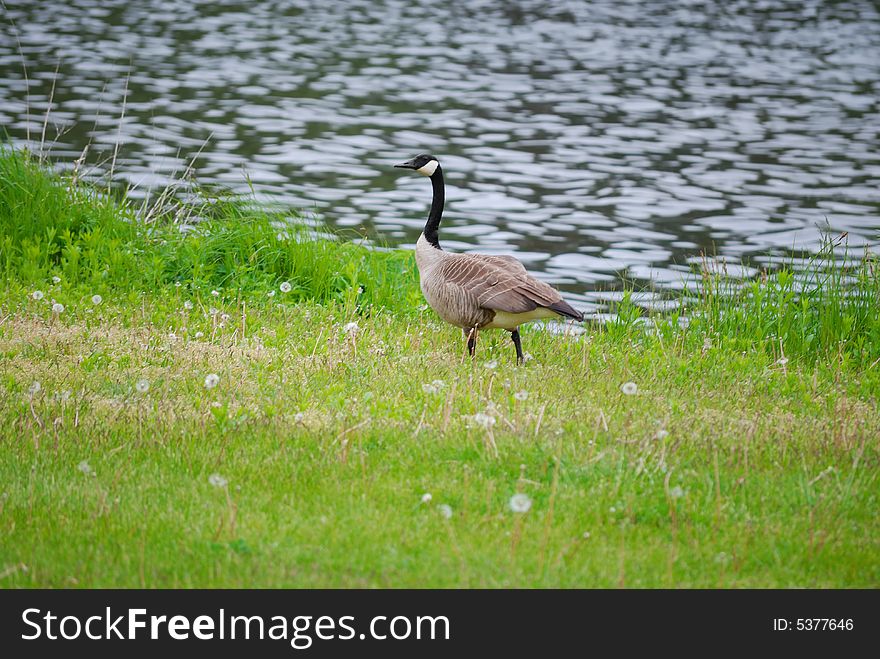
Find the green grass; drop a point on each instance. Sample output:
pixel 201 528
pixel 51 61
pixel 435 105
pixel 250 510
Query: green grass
pixel 747 457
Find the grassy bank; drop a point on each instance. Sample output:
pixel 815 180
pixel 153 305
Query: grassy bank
pixel 747 455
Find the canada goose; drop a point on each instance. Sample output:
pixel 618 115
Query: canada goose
pixel 478 291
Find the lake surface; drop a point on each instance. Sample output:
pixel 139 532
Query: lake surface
pixel 595 140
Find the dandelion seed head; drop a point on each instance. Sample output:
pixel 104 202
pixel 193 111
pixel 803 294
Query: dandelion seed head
pixel 211 380
pixel 439 383
pixel 34 389
pixel 142 386
pixel 521 395
pixel 37 295
pixel 57 308
pixel 782 361
pixel 199 335
pixel 492 365
pixel 520 503
pixel 586 535
pixel 676 492
pixel 484 420
pixel 351 328
pixel 187 305
pixel 298 417
pixel 445 510
pixel 215 293
pixel 426 497
pixel 661 434
pixel 271 293
pixel 213 311
pixel 429 388
pixel 85 468
pixel 65 395
pixel 217 480
pixel 97 299
pixel 56 279
pixel 285 287
pixel 629 388
pixel 224 317
pixel 527 357
pixel 177 284
pixel 172 336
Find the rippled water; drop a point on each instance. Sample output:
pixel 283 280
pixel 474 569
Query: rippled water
pixel 593 139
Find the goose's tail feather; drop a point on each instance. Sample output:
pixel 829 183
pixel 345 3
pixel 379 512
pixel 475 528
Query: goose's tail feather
pixel 565 309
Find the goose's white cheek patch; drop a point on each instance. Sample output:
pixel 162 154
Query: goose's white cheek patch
pixel 428 169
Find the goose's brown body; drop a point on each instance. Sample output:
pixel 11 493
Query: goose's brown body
pixel 483 291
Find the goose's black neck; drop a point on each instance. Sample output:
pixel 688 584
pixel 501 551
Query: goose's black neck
pixel 436 214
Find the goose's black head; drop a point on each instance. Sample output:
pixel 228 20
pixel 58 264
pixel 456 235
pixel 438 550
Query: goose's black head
pixel 423 163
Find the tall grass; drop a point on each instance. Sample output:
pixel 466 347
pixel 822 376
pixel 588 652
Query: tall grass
pixel 817 308
pixel 53 225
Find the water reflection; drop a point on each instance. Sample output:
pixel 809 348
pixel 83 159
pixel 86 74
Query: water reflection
pixel 594 139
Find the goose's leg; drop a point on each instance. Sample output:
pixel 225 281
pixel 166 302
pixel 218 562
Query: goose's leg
pixel 516 343
pixel 472 341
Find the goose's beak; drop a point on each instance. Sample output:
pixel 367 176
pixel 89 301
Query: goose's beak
pixel 409 164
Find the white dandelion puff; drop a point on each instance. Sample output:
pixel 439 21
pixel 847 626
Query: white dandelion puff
pixel 97 299
pixel 217 480
pixel 215 293
pixel 271 293
pixel 37 295
pixel 491 365
pixel 676 492
pixel 56 279
pixel 57 308
pixel 142 386
pixel 199 335
pixel 527 357
pixel 521 395
pixel 445 510
pixel 484 420
pixel 224 317
pixel 187 305
pixel 177 284
pixel 426 497
pixel 351 328
pixel 172 336
pixel 661 434
pixel 85 468
pixel 66 394
pixel 211 380
pixel 586 535
pixel 520 503
pixel 629 388
pixel 782 361
pixel 285 287
pixel 35 388
pixel 213 311
pixel 430 388
pixel 298 417
pixel 439 384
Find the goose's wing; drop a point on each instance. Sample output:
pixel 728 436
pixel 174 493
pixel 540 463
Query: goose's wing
pixel 504 261
pixel 497 284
